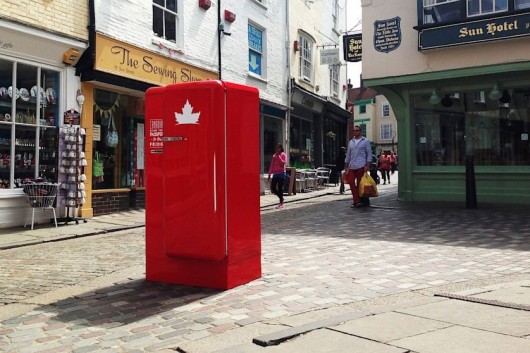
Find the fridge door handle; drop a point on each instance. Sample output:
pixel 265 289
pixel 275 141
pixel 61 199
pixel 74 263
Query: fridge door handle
pixel 173 138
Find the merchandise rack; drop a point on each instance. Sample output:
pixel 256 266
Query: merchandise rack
pixel 72 166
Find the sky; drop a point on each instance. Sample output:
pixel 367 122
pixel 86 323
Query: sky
pixel 354 24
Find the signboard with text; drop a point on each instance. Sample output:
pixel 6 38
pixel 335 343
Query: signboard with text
pixel 387 34
pixel 329 56
pixel 353 47
pixel 125 60
pixel 491 29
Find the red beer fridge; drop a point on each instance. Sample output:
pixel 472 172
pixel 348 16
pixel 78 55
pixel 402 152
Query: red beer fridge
pixel 202 184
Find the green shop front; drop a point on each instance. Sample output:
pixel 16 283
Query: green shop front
pixel 464 131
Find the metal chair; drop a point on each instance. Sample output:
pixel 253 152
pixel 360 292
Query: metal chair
pixel 323 175
pixel 40 196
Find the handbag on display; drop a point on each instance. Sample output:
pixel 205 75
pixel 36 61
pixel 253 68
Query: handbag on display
pixel 111 139
pixel 97 166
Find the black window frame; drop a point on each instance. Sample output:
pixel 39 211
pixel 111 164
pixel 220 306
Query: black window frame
pixel 460 6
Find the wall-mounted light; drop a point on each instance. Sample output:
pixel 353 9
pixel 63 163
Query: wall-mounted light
pixel 495 93
pixel 505 98
pixel 447 101
pixel 205 4
pixel 435 98
pixel 230 16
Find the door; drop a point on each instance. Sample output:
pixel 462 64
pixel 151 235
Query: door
pixel 193 163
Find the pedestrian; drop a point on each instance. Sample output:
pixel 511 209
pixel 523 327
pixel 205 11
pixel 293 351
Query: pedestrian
pixel 277 170
pixel 384 166
pixel 393 162
pixel 357 162
pixel 339 166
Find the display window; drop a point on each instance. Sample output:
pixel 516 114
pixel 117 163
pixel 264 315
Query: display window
pixel 118 141
pixel 492 127
pixel 301 147
pixel 29 111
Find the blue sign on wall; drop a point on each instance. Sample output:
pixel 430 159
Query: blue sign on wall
pixel 475 32
pixel 255 45
pixel 254 62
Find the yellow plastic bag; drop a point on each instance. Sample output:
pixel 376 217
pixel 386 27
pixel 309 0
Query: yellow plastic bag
pixel 367 186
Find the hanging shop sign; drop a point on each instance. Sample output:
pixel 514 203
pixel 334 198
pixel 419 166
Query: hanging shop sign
pixel 491 29
pixel 387 34
pixel 329 56
pixel 125 60
pixel 353 47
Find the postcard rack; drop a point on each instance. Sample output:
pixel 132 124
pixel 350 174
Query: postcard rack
pixel 72 167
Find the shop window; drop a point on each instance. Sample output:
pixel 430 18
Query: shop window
pixel 29 113
pixel 301 145
pixel 165 19
pixel 255 50
pixel 123 163
pixel 494 132
pixel 272 134
pixel 306 58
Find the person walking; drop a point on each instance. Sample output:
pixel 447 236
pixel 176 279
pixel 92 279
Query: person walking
pixel 393 161
pixel 339 166
pixel 357 162
pixel 385 167
pixel 277 170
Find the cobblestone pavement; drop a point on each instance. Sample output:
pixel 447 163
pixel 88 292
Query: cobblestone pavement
pixel 88 294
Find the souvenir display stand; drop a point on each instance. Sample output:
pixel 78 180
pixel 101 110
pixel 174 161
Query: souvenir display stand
pixel 72 172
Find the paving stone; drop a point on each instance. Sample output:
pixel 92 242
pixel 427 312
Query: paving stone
pixel 463 339
pixel 485 317
pixel 389 326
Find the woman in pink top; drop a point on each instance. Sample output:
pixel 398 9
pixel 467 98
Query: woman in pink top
pixel 277 170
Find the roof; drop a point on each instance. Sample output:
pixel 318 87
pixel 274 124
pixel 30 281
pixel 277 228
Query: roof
pixel 361 94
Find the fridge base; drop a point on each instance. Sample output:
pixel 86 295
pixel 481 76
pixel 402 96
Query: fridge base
pixel 208 274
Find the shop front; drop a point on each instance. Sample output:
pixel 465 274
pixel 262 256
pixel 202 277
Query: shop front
pixel 36 90
pixel 318 128
pixel 114 85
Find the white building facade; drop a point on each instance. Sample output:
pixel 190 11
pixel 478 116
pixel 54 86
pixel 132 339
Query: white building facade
pixel 318 85
pixel 139 44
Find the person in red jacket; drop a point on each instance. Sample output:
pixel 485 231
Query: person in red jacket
pixel 277 170
pixel 384 166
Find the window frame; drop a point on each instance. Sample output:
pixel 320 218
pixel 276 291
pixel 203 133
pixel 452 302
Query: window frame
pixel 306 46
pixel 382 132
pixel 385 110
pixel 334 77
pixel 260 54
pixel 362 109
pixel 482 13
pixel 335 14
pixel 177 16
pixel 427 16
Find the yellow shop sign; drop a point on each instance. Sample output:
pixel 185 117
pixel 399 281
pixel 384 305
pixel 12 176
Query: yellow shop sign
pixel 123 59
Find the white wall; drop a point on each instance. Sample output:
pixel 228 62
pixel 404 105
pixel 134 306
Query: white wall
pixel 131 22
pixel 316 20
pixel 407 60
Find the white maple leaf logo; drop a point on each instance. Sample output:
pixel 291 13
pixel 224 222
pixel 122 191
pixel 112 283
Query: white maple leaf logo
pixel 187 116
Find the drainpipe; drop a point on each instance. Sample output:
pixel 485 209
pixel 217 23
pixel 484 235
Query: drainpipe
pixel 219 30
pixel 289 83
